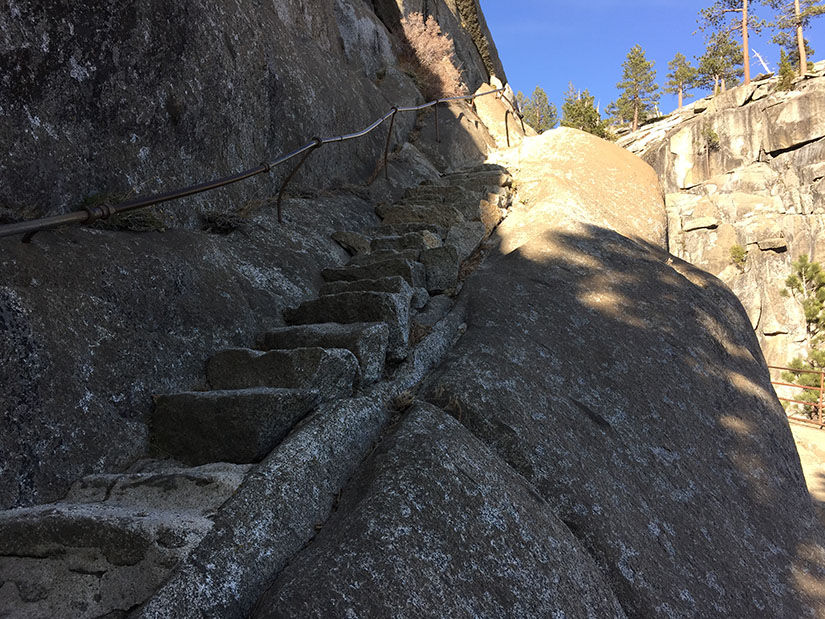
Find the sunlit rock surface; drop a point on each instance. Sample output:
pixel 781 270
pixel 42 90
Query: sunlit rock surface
pixel 751 159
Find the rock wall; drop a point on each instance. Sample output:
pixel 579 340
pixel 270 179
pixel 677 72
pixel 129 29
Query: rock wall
pixel 746 168
pixel 112 98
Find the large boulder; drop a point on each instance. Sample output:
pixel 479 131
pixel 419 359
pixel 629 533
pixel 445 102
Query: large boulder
pixel 435 525
pixel 629 389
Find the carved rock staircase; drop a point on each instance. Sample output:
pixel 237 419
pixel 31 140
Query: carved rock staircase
pixel 244 473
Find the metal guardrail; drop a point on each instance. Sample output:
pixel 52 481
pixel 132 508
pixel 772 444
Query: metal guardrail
pixel 90 214
pixel 814 407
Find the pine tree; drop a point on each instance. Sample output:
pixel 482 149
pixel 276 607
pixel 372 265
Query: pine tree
pixel 681 77
pixel 793 17
pixel 538 112
pixel 639 91
pixel 786 72
pixel 716 19
pixel 579 112
pixel 807 285
pixel 721 64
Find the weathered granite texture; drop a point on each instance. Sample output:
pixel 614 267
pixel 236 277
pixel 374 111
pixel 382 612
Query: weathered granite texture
pixel 106 98
pixel 759 184
pixel 627 387
pixel 102 100
pixel 435 525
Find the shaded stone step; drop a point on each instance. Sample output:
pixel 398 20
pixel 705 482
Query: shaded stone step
pixel 330 371
pixel 466 237
pixel 367 341
pixel 434 311
pixel 353 242
pixel 199 489
pixel 442 215
pixel 240 426
pixel 444 193
pixel 412 240
pixel 441 266
pixel 364 306
pixel 472 180
pixel 412 272
pixel 89 560
pixel 420 296
pixel 376 257
pixel 405 228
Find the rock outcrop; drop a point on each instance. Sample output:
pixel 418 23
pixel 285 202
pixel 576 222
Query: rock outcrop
pixel 746 168
pixel 108 101
pixel 102 101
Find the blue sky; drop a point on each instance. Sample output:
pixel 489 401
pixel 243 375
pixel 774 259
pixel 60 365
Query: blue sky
pixel 550 43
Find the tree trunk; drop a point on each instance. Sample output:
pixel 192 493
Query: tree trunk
pixel 635 117
pixel 680 96
pixel 800 41
pixel 745 48
pixel 715 85
pixel 724 85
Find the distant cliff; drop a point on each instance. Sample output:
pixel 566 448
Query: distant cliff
pixel 747 168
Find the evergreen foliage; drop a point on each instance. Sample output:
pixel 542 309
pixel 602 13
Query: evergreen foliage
pixel 681 77
pixel 724 18
pixel 807 285
pixel 639 92
pixel 789 26
pixel 579 112
pixel 786 72
pixel 739 257
pixel 538 112
pixel 720 64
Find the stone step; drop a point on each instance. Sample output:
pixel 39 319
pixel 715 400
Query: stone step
pixel 412 272
pixel 444 193
pixel 95 559
pixel 199 489
pixel 376 257
pixel 442 215
pixel 435 310
pixel 466 238
pixel 330 371
pixel 367 341
pixel 364 306
pixel 420 296
pixel 352 242
pixel 472 180
pixel 405 228
pixel 441 266
pixel 240 426
pixel 412 240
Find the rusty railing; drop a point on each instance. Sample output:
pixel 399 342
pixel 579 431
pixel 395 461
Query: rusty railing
pixel 90 214
pixel 811 412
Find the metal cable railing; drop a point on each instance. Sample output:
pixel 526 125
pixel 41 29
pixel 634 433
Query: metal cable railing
pixel 805 411
pixel 90 214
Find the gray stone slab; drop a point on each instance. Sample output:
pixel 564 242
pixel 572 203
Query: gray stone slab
pixel 86 561
pixel 272 515
pixel 378 256
pixel 441 265
pixel 364 306
pixel 353 242
pixel 434 311
pixel 442 215
pixel 425 239
pixel 367 341
pixel 240 426
pixel 385 284
pixel 411 271
pixel 405 228
pixel 329 371
pixel 466 237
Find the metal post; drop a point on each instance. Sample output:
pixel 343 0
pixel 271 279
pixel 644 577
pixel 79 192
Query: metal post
pixel 507 126
pixel 387 147
pixel 821 388
pixel 318 142
pixel 437 130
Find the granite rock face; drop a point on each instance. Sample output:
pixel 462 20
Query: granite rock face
pixel 479 542
pixel 628 388
pixel 749 161
pixel 104 100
